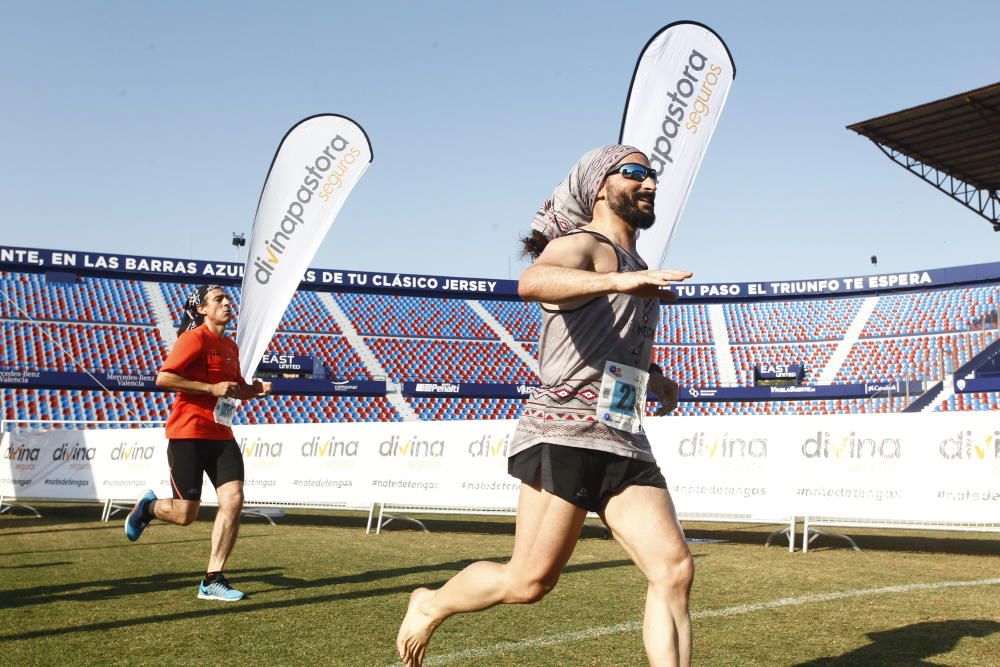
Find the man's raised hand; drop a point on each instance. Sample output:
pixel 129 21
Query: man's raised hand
pixel 650 284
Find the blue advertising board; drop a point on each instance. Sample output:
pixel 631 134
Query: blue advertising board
pixel 978 384
pixel 162 269
pixel 28 379
pixel 687 394
pixel 803 392
pixel 466 389
pixel 139 267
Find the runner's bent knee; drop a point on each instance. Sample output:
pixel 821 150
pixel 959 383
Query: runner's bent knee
pixel 188 512
pixel 527 591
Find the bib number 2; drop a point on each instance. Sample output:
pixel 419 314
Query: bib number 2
pixel 622 403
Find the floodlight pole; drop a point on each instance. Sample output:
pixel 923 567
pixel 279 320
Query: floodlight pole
pixel 239 240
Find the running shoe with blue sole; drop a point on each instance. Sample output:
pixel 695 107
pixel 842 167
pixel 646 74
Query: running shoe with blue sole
pixel 219 590
pixel 134 525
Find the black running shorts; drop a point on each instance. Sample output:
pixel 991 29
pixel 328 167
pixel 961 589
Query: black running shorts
pixel 191 459
pixel 586 478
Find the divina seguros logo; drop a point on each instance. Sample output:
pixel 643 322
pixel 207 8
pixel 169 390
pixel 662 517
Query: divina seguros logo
pixel 854 446
pixel 725 447
pixel 323 177
pixel 412 447
pixel 74 452
pixel 133 452
pixel 258 448
pixel 488 446
pixel 317 447
pixel 967 446
pixel 21 453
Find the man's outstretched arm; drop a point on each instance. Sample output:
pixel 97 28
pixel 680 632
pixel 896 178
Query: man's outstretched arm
pixel 569 272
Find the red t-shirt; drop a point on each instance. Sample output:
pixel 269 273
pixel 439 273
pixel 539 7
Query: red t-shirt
pixel 200 355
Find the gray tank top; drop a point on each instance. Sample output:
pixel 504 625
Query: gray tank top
pixel 573 347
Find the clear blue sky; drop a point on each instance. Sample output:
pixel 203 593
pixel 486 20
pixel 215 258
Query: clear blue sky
pixel 147 128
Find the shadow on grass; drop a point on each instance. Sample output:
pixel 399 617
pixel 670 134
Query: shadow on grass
pixel 33 565
pixel 114 588
pixel 61 517
pixel 109 589
pixel 757 535
pixel 910 645
pixel 65 518
pixel 54 526
pixel 122 545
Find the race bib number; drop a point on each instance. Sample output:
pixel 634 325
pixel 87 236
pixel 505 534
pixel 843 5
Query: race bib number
pixel 225 410
pixel 622 401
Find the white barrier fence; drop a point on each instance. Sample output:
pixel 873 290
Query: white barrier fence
pixel 899 470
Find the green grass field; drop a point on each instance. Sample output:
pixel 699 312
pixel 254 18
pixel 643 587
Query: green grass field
pixel 75 592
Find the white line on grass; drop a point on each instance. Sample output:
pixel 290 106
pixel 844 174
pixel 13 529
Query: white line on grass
pixel 592 633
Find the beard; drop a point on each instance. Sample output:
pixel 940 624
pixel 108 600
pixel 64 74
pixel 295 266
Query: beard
pixel 626 207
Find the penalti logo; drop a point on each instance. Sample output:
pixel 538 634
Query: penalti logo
pixel 486 446
pixel 412 447
pixel 261 449
pixel 329 448
pixel 438 387
pixel 967 446
pixel 851 447
pixel 724 447
pixel 324 176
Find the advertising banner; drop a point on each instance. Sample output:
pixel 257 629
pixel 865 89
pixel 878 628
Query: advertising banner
pixel 317 165
pixel 847 467
pixel 913 467
pixel 137 267
pixel 882 388
pixel 723 466
pixel 134 267
pixel 287 363
pixel 91 465
pixel 471 389
pixel 900 468
pixel 678 91
pixel 307 463
pixel 98 381
pixel 778 372
pixel 429 464
pixel 978 384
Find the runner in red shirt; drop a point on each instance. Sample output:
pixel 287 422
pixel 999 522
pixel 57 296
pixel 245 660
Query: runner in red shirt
pixel 202 367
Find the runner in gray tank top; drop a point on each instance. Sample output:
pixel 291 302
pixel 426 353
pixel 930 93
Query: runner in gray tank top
pixel 573 348
pixel 580 445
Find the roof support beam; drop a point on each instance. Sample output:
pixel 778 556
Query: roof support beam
pixel 984 202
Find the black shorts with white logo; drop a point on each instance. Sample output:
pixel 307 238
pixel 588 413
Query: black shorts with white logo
pixel 586 478
pixel 191 459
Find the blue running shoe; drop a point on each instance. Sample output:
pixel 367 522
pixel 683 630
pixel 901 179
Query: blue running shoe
pixel 134 525
pixel 219 590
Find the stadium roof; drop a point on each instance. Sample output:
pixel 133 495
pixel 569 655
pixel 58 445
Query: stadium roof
pixel 953 144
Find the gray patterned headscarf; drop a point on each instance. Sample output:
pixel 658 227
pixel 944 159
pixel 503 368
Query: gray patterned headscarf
pixel 572 202
pixel 192 319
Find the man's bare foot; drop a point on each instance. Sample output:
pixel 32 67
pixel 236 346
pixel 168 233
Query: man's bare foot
pixel 416 630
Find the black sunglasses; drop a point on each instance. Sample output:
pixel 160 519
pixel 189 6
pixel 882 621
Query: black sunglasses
pixel 634 172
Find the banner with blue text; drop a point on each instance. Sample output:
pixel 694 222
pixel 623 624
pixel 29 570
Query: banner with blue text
pixel 163 269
